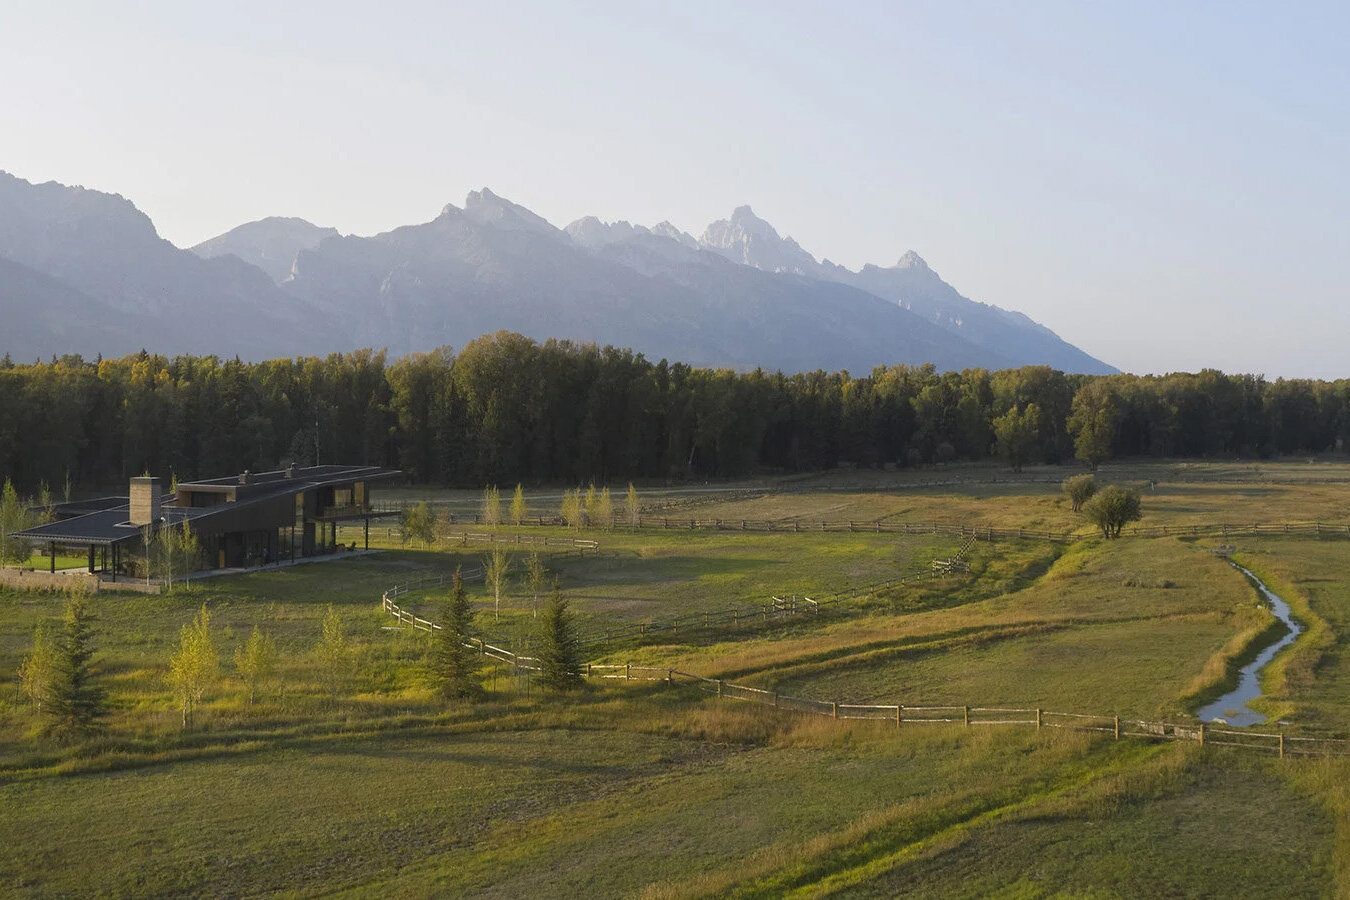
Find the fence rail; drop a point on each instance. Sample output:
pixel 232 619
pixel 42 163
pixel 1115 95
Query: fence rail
pixel 1280 744
pixel 801 525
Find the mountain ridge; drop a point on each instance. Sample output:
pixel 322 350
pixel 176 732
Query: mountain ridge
pixel 742 296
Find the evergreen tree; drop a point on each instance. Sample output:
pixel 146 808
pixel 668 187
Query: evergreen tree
pixel 77 702
pixel 454 662
pixel 559 647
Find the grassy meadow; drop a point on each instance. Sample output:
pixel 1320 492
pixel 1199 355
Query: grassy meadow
pixel 644 789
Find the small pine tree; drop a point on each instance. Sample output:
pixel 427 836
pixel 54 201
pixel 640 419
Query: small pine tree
pixel 334 655
pixel 38 671
pixel 76 702
pixel 559 647
pixel 632 506
pixel 518 508
pixel 256 662
pixel 454 663
pixel 196 665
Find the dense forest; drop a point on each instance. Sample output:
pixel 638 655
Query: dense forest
pixel 507 409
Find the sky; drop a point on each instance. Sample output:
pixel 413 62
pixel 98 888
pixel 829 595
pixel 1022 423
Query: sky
pixel 1163 184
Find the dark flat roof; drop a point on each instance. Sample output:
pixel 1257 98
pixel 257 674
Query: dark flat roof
pixel 111 525
pixel 310 476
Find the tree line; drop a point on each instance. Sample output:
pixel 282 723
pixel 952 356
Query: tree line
pixel 506 408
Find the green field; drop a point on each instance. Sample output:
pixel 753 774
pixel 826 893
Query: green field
pixel 656 790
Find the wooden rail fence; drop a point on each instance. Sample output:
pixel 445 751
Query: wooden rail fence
pixel 1278 743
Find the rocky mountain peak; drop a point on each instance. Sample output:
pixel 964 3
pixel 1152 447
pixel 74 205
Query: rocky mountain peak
pixel 486 208
pixel 912 260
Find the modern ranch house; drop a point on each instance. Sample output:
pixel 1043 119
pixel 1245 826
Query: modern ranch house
pixel 240 520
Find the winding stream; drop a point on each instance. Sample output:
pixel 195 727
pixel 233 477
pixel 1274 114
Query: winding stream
pixel 1232 707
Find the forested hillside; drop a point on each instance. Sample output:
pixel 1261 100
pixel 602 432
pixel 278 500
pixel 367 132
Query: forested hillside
pixel 505 408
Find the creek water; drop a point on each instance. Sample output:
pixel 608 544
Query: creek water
pixel 1232 707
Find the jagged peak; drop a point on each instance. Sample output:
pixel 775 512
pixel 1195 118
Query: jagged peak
pixel 911 260
pixel 491 209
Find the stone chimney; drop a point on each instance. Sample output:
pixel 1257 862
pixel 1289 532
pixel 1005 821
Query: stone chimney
pixel 145 506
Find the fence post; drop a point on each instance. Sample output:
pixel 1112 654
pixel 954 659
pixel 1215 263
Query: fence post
pixel 899 709
pixel 965 715
pixel 670 676
pixel 1038 717
pixel 834 710
pixel 719 687
pixel 588 670
pixel 1117 727
pixel 628 672
pixel 775 706
pixel 1282 745
pixel 1202 734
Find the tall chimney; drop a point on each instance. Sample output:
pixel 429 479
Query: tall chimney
pixel 145 507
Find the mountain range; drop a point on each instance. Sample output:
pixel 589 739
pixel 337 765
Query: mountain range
pixel 83 271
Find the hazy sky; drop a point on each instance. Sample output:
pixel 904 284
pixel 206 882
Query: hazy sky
pixel 1164 185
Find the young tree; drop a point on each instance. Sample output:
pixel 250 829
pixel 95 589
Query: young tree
pixel 256 662
pixel 1079 489
pixel 1111 508
pixel 38 671
pixel 454 663
pixel 418 524
pixel 75 702
pixel 46 505
pixel 492 506
pixel 632 506
pixel 591 507
pixel 334 655
pixel 518 508
pixel 14 517
pixel 535 573
pixel 571 508
pixel 1017 432
pixel 495 566
pixel 559 647
pixel 196 665
pixel 604 509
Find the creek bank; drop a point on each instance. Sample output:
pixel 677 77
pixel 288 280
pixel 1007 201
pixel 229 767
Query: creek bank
pixel 1232 707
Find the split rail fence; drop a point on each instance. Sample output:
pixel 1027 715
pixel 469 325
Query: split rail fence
pixel 794 525
pixel 1282 745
